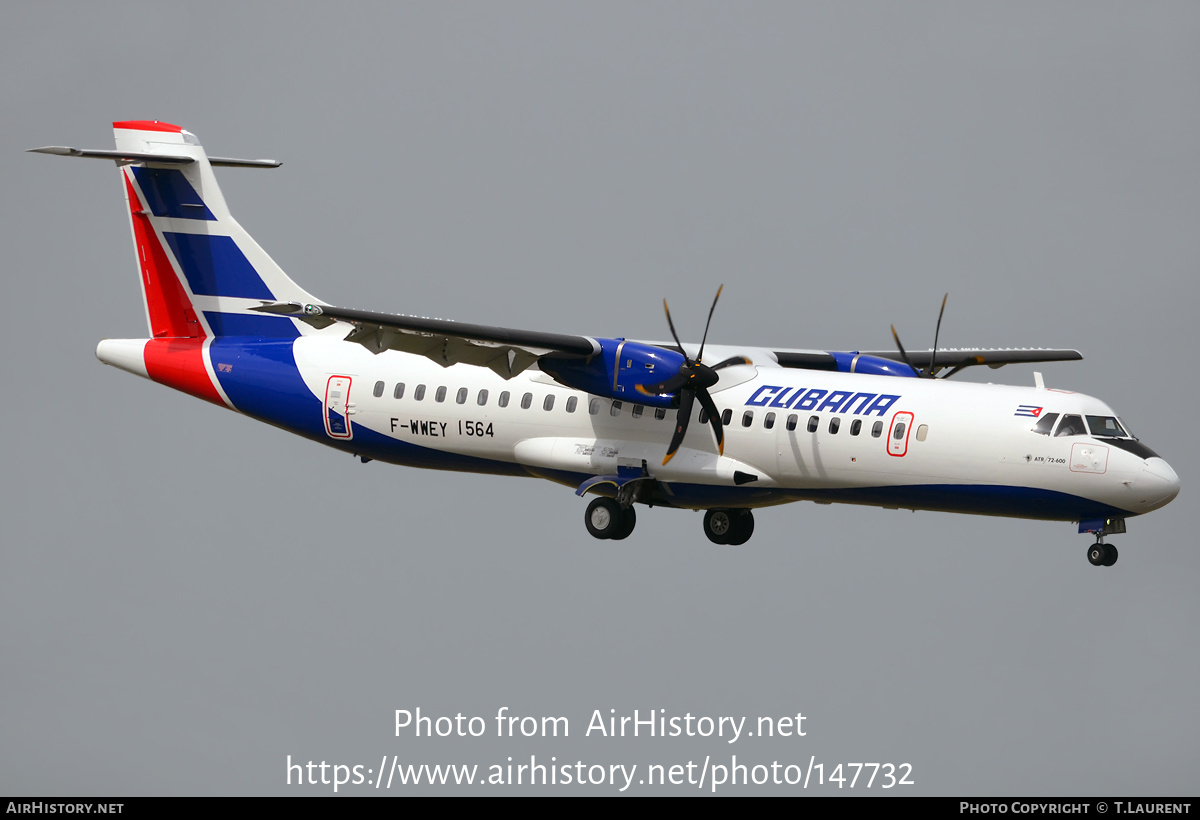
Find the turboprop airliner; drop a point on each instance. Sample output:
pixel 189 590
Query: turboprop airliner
pixel 720 428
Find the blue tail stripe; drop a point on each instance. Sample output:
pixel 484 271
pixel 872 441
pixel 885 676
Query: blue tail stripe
pixel 215 266
pixel 257 325
pixel 168 193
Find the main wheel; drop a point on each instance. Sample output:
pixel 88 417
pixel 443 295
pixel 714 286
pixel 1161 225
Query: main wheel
pixel 1110 556
pixel 719 525
pixel 603 518
pixel 1097 553
pixel 743 527
pixel 628 520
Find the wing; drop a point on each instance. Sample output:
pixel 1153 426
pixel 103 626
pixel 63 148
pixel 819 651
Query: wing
pixel 951 359
pixel 503 350
pixel 955 359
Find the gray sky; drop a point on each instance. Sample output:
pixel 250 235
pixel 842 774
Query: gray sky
pixel 187 597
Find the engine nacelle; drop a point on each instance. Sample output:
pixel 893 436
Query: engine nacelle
pixel 617 370
pixel 871 365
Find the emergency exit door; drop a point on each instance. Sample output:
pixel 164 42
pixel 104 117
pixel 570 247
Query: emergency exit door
pixel 898 434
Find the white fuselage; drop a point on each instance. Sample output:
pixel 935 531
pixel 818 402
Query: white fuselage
pixel 778 430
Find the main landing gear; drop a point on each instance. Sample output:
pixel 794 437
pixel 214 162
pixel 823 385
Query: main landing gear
pixel 1101 554
pixel 605 518
pixel 732 527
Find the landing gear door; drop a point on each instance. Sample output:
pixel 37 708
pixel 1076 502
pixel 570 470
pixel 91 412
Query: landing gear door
pixel 898 433
pixel 337 407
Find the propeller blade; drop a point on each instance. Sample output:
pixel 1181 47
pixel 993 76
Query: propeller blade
pixel 669 386
pixel 671 325
pixel 700 357
pixel 686 398
pixel 732 360
pixel 714 418
pixel 937 330
pixel 903 352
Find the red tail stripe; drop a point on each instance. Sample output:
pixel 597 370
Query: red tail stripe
pixel 179 363
pixel 170 309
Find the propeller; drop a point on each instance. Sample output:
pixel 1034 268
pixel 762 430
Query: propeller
pixel 692 383
pixel 927 373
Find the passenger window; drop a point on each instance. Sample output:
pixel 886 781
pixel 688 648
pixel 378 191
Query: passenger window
pixel 813 422
pixel 594 407
pixel 1071 426
pixel 727 416
pixel 637 411
pixel 898 433
pixel 835 424
pixel 769 421
pixel 660 413
pixel 1045 424
pixel 615 410
pixel 398 393
pixel 791 422
pixel 877 429
pixel 572 403
pixel 461 398
pixel 747 418
pixel 482 399
pixel 420 394
pixel 922 432
pixel 855 427
pixel 548 404
pixel 503 400
pixel 526 401
pixel 378 391
pixel 440 395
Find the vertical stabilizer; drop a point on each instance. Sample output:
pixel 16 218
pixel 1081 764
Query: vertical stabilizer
pixel 200 271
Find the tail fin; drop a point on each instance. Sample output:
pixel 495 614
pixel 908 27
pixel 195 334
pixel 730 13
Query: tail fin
pixel 200 271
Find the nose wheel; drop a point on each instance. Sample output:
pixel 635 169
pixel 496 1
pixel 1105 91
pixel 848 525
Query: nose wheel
pixel 1102 555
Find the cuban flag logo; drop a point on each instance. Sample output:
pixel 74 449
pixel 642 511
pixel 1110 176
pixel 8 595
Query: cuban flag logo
pixel 1029 410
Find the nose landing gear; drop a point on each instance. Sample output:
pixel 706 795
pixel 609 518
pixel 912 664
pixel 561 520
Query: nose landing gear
pixel 1101 554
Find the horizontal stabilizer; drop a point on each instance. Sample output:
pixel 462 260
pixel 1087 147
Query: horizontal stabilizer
pixel 132 157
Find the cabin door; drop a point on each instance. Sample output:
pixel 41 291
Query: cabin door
pixel 338 407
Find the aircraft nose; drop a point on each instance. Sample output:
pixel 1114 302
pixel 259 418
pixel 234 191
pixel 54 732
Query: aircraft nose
pixel 1161 481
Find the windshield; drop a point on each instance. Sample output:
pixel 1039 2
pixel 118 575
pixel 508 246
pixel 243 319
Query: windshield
pixel 1106 426
pixel 1071 426
pixel 1045 424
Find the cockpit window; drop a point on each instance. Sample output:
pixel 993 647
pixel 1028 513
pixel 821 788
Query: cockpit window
pixel 1071 426
pixel 1045 424
pixel 1106 426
